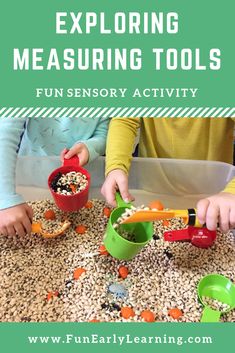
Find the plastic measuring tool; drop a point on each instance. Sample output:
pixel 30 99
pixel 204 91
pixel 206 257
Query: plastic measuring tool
pixel 70 203
pixel 120 247
pixel 37 228
pixel 189 216
pixel 216 287
pixel 200 237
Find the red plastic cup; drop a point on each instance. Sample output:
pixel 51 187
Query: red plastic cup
pixel 70 203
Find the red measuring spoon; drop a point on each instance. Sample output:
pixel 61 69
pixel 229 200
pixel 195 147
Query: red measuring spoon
pixel 70 203
pixel 200 237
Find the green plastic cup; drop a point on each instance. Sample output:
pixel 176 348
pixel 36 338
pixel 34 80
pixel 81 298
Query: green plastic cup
pixel 119 247
pixel 216 287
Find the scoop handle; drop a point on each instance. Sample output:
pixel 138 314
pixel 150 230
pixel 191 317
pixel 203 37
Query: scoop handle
pixel 120 201
pixel 177 235
pixel 210 315
pixel 71 162
pixel 189 217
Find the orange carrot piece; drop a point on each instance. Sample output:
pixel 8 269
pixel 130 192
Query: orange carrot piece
pixel 78 272
pixel 80 229
pixel 175 313
pixel 156 204
pixel 89 204
pixel 107 212
pixel 165 223
pixel 148 316
pixel 49 215
pixel 127 312
pixel 123 272
pixel 36 228
pixel 102 250
pixel 73 188
pixel 49 296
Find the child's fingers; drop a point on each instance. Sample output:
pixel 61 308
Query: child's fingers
pixel 62 154
pixel 212 217
pixel 109 189
pixel 70 153
pixel 202 207
pixel 3 231
pixel 127 197
pixel 11 231
pixel 83 156
pixel 123 188
pixel 27 225
pixel 29 212
pixel 19 229
pixel 232 218
pixel 224 218
pixel 109 195
pixel 74 150
pixel 82 159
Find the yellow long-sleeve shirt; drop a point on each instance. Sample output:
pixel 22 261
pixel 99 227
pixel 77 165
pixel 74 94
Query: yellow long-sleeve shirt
pixel 182 138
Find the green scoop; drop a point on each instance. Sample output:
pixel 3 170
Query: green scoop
pixel 117 245
pixel 219 288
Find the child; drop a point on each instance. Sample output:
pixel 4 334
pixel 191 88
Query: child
pixel 183 138
pixel 85 137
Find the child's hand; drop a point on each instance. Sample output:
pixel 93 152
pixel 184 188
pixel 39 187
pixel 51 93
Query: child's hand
pixel 80 149
pixel 16 220
pixel 116 180
pixel 219 208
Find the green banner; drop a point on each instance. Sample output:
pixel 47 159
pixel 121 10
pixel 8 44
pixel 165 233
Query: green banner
pixel 104 337
pixel 138 55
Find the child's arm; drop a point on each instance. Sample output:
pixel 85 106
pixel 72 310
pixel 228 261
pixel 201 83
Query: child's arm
pixel 219 208
pixel 120 143
pixel 15 215
pixel 11 130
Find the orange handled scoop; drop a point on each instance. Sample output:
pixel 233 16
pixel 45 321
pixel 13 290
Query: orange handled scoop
pixel 148 216
pixel 189 216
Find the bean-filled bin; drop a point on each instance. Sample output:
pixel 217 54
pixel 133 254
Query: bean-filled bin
pixel 64 272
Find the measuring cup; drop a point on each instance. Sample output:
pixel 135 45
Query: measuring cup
pixel 200 237
pixel 70 203
pixel 216 287
pixel 120 247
